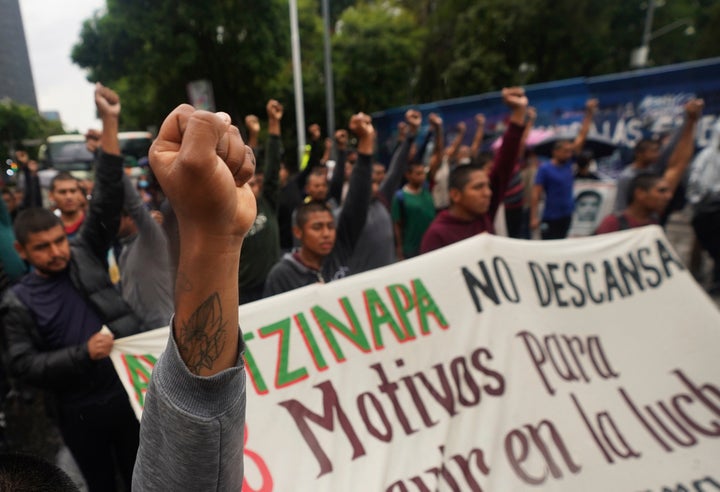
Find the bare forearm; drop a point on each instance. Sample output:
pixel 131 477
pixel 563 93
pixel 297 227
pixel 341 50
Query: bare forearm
pixel 206 299
pixel 455 145
pixel 274 127
pixel 579 142
pixel 477 140
pixel 535 201
pixel 681 155
pixel 109 139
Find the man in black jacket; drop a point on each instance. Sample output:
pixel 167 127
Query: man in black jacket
pixel 53 319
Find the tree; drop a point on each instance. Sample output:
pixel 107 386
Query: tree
pixel 19 122
pixel 376 49
pixel 148 50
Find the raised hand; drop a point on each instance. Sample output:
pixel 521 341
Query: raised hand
pixel 314 131
pixel 517 101
pixel 341 139
pixel 361 126
pixel 274 113
pixel 107 101
pixel 694 108
pixel 274 110
pixel 203 165
pixel 435 121
pixel 413 117
pixel 252 124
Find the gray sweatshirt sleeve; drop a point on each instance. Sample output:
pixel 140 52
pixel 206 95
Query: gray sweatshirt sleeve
pixel 192 429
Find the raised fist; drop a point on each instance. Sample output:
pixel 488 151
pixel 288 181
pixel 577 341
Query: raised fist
pixel 203 165
pixel 515 97
pixel 107 101
pixel 314 131
pixel 274 110
pixel 252 124
pixel 435 120
pixel 413 117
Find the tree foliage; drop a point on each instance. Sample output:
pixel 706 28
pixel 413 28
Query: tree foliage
pixel 149 50
pixel 375 56
pixel 19 122
pixel 385 52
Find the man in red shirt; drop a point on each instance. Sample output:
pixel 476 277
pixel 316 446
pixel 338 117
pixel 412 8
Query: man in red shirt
pixel 648 197
pixel 475 195
pixel 67 195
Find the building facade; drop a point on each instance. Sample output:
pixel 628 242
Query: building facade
pixel 16 81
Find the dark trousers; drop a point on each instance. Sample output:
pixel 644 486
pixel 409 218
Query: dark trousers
pixel 103 437
pixel 516 221
pixel 555 229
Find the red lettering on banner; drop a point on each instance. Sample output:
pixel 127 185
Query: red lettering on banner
pixel 517 457
pixel 670 425
pixel 606 434
pixel 469 377
pixel 571 358
pixel 470 466
pixel 266 483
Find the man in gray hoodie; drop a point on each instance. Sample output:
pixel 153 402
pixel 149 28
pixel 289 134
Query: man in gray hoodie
pixel 325 251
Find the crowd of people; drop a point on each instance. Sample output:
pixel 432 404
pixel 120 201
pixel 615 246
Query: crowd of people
pixel 104 260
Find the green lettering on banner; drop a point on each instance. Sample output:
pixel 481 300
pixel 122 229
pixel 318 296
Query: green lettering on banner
pixel 253 369
pixel 284 377
pixel 427 307
pixel 139 368
pixel 403 301
pixel 378 315
pixel 354 333
pixel 310 340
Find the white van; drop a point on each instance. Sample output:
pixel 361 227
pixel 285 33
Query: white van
pixel 68 153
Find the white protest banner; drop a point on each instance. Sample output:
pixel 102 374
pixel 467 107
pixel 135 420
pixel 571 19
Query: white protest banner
pixel 134 358
pixel 494 364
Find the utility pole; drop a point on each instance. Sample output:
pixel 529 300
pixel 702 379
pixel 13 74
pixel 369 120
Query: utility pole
pixel 297 80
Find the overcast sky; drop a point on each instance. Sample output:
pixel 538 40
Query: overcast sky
pixel 51 29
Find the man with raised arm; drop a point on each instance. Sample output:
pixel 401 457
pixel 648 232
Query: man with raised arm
pixel 474 195
pixel 261 248
pixel 650 157
pixel 325 251
pixel 649 193
pixel 53 320
pixel 555 180
pixel 375 247
pixel 191 434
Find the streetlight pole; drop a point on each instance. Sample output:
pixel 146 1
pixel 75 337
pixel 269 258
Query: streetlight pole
pixel 639 56
pixel 329 90
pixel 647 32
pixel 297 80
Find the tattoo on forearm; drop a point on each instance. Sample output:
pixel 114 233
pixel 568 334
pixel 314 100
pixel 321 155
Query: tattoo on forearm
pixel 203 336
